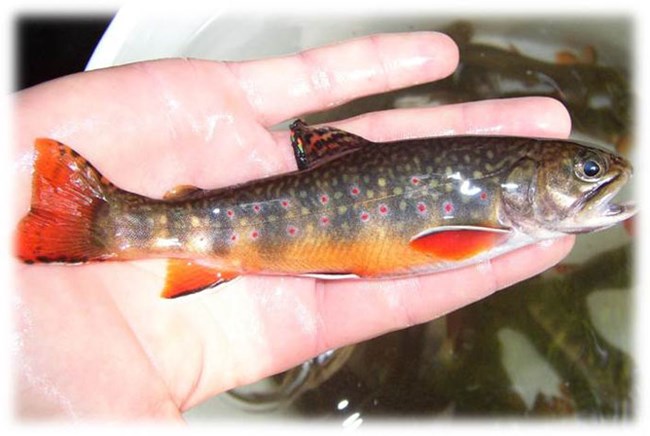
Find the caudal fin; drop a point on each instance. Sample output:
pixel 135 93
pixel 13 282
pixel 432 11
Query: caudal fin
pixel 67 192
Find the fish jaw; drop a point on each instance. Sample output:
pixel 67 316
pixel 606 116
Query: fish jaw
pixel 607 216
pixel 597 211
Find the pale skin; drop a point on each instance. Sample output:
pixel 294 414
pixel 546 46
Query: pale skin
pixel 96 341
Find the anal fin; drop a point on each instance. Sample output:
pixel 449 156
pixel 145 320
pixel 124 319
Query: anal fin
pixel 456 243
pixel 189 276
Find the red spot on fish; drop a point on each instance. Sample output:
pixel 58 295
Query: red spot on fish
pixel 415 180
pixel 383 209
pixel 257 208
pixel 233 237
pixel 285 203
pixel 230 213
pixel 483 195
pixel 324 220
pixel 291 230
pixel 255 234
pixel 324 199
pixel 365 216
pixel 422 208
pixel 355 190
pixel 448 207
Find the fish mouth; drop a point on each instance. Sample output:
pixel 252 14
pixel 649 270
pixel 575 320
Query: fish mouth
pixel 597 211
pixel 621 210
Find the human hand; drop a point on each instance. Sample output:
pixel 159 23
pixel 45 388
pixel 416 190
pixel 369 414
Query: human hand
pixel 97 341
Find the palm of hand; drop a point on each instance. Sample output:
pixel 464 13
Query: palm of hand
pixel 98 341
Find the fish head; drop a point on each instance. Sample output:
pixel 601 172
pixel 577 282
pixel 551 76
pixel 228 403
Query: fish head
pixel 566 187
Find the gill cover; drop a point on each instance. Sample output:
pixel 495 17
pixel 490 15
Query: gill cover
pixel 519 189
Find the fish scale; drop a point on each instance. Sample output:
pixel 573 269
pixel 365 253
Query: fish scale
pixel 353 207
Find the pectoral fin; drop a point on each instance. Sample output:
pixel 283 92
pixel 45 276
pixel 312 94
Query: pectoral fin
pixel 455 243
pixel 188 276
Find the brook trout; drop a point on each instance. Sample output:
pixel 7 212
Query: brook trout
pixel 353 207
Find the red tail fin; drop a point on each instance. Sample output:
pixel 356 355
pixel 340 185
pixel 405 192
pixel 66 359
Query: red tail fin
pixel 66 194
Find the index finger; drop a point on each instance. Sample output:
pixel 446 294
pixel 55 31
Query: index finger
pixel 328 76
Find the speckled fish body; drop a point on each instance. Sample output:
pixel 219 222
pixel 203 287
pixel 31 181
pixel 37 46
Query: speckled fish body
pixel 356 214
pixel 353 207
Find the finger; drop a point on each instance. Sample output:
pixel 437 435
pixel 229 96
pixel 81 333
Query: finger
pixel 188 98
pixel 214 108
pixel 181 99
pixel 527 116
pixel 320 78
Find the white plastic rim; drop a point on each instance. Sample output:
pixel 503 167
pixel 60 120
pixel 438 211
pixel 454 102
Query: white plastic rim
pixel 220 31
pixel 138 33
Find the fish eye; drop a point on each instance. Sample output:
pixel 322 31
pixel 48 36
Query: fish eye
pixel 590 169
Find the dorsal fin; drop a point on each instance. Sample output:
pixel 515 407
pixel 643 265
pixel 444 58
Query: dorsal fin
pixel 315 145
